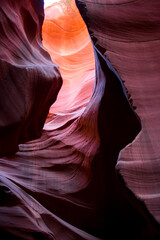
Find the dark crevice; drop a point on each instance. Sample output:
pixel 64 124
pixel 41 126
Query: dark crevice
pixel 29 24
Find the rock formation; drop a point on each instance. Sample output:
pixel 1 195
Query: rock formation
pixel 92 171
pixel 129 38
pixel 30 81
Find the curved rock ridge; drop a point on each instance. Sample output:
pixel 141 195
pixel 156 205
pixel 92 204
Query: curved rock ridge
pixel 129 37
pixel 29 80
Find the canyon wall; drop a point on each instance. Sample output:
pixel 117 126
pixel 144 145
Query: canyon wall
pixel 86 166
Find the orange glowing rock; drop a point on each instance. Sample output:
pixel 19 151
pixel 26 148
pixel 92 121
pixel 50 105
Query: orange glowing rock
pixel 66 38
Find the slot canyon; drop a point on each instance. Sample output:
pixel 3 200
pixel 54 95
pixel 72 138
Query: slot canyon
pixel 79 119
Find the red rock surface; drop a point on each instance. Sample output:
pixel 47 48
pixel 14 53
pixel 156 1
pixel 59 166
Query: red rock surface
pixel 129 37
pixel 29 81
pixel 64 185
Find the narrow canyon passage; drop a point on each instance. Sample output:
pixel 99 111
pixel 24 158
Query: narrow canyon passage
pixel 77 161
pixel 66 38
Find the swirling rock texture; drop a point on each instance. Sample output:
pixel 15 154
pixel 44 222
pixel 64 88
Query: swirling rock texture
pixel 93 173
pixel 66 38
pixel 29 80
